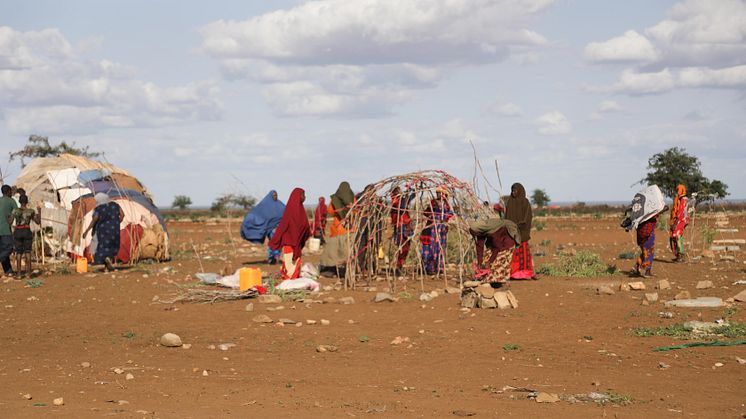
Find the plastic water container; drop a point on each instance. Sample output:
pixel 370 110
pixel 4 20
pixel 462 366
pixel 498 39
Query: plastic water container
pixel 249 278
pixel 314 244
pixel 81 265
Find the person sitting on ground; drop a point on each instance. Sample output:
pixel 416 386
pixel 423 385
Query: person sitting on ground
pixel 107 217
pixel 518 210
pixel 340 204
pixel 22 236
pixel 7 205
pixel 501 237
pixel 677 223
pixel 260 223
pixel 291 234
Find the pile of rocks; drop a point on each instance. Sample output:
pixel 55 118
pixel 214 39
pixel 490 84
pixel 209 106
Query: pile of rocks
pixel 481 295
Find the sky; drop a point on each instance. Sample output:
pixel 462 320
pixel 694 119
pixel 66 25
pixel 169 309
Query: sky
pixel 202 99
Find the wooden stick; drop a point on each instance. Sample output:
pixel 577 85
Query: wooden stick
pixel 199 258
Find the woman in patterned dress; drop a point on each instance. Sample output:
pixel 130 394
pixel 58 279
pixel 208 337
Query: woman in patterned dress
pixel 107 216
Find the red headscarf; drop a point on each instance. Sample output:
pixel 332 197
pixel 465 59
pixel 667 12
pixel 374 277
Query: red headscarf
pixel 320 215
pixel 293 230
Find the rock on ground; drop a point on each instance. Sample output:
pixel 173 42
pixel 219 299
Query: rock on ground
pixel 171 340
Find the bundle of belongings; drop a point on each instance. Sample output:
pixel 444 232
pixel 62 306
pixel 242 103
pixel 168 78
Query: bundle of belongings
pixel 645 205
pixel 307 281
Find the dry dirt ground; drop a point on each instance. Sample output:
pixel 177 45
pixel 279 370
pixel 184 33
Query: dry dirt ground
pixel 562 339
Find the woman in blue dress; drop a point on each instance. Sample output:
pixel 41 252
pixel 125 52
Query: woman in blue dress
pixel 107 216
pixel 262 221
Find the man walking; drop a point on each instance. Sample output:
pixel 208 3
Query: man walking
pixel 7 205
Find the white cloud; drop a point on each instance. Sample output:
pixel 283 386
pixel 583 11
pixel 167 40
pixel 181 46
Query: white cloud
pixel 46 86
pixel 629 47
pixel 608 106
pixel 701 44
pixel 553 123
pixel 508 109
pixel 366 56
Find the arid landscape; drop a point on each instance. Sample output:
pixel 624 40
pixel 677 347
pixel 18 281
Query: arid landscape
pixel 566 351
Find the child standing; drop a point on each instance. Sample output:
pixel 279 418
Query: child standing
pixel 22 236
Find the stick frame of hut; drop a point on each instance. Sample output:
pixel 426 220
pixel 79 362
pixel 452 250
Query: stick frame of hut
pixel 371 231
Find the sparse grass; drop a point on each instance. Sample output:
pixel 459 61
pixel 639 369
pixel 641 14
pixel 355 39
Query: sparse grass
pixel 34 283
pixel 63 270
pixel 567 226
pixel 619 399
pixel 627 255
pixel 363 339
pixel 511 347
pixel 730 312
pixel 539 225
pixel 597 216
pixel 732 330
pixel 545 243
pixel 129 334
pixel 583 264
pixel 708 235
pixel 405 295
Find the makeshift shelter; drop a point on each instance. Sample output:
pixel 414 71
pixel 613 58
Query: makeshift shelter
pixel 370 249
pixel 66 185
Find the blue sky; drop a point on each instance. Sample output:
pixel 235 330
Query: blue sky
pixel 569 96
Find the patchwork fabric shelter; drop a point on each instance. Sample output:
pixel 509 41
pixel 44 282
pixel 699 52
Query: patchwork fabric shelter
pixel 66 185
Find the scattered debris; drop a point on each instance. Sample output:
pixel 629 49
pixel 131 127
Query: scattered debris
pixel 326 348
pixel 696 302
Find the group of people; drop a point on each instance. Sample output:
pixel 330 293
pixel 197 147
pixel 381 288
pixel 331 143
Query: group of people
pixel 287 228
pixel 15 230
pixel 678 220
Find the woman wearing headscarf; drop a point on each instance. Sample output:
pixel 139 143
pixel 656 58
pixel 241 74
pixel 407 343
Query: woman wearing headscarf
pixel 401 221
pixel 435 235
pixel 291 234
pixel 107 216
pixel 518 210
pixel 501 237
pixel 339 207
pixel 261 222
pixel 677 223
pixel 319 220
pixel 646 241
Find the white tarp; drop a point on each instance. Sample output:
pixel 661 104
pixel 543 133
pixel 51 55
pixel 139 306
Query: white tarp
pixel 646 204
pixel 65 183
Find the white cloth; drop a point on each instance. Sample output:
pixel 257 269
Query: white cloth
pixel 646 204
pixel 299 284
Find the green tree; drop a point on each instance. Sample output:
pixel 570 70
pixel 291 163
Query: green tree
pixel 540 198
pixel 38 146
pixel 674 166
pixel 232 201
pixel 181 202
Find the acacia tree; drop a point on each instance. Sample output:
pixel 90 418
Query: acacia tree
pixel 230 200
pixel 181 202
pixel 38 146
pixel 674 166
pixel 540 198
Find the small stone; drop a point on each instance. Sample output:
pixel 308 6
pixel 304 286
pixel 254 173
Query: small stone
pixel 329 300
pixel 122 402
pixel 118 371
pixel 637 286
pixel 472 284
pixel 663 284
pixel 426 297
pixel 487 303
pixel 346 300
pixel 310 322
pixel 486 292
pixel 604 290
pixel 719 364
pixel 741 361
pixel 624 287
pixel 59 401
pixel 325 322
pixel 204 373
pixel 663 366
pixel 287 321
pixel 27 396
pixel 665 315
pixel 186 345
pixel 171 340
pixel 501 298
pixel 155 298
pixel 651 297
pixel 85 364
pixel 226 346
pixel 262 318
pixel 249 307
pixel 326 348
pixel 741 296
pixel 129 376
pixel 269 299
pixel 452 290
pixel 434 293
pixel 399 340
pixel 683 295
pixel 703 285
pixel 547 398
pixel 645 302
pixel 383 296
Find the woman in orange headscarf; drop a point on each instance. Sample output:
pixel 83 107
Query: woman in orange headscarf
pixel 677 223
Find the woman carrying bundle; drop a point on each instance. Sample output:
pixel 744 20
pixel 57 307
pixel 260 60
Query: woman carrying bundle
pixel 501 237
pixel 677 223
pixel 435 235
pixel 518 210
pixel 261 222
pixel 291 234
